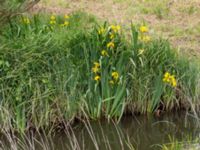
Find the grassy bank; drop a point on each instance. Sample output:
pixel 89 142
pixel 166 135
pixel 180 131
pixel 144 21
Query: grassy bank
pixel 176 20
pixel 56 68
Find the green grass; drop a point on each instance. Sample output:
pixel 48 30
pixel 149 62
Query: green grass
pixel 46 73
pixel 181 15
pixel 12 8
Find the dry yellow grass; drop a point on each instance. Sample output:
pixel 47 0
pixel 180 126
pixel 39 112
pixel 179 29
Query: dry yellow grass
pixel 177 20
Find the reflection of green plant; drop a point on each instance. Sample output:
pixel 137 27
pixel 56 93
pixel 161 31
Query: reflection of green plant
pixel 186 143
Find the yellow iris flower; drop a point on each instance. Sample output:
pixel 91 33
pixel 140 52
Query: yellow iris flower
pixel 168 78
pixel 115 75
pixel 96 64
pixel 101 31
pixel 145 38
pixel 97 78
pixel 66 23
pixel 116 28
pixel 96 67
pixel 104 53
pixel 110 45
pixel 53 17
pixel 26 21
pixel 144 29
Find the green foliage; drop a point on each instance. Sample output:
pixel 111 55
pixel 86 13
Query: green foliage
pixel 12 8
pixel 47 71
pixel 146 75
pixel 108 93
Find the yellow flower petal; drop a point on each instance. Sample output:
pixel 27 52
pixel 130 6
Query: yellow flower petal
pixel 115 75
pixel 104 53
pixel 95 69
pixel 97 78
pixel 101 31
pixel 96 64
pixel 144 29
pixel 53 17
pixel 115 29
pixel 52 22
pixel 26 20
pixel 146 38
pixel 110 45
pixel 170 79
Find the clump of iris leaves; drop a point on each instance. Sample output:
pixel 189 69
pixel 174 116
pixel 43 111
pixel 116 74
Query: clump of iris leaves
pixel 46 72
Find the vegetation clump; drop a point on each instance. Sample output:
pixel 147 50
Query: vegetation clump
pixel 55 68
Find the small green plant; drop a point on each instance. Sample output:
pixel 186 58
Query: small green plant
pixel 161 12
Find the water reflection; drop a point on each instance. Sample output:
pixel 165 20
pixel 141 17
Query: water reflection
pixel 143 132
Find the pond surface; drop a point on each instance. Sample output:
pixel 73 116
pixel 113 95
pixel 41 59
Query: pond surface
pixel 144 133
pixel 141 132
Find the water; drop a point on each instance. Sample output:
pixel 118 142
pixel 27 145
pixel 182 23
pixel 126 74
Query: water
pixel 143 132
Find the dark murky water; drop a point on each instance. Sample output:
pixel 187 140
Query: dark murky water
pixel 143 132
